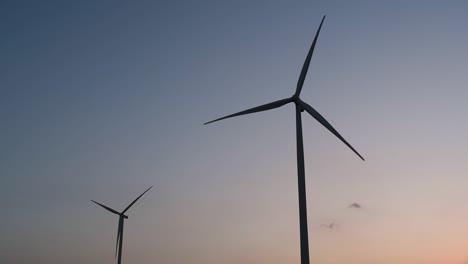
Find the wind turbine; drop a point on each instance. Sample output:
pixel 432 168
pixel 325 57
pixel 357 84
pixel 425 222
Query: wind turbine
pixel 122 217
pixel 300 107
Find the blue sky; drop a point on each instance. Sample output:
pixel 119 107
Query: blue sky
pixel 101 99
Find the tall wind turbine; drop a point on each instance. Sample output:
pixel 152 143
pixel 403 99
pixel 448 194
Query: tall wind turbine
pixel 122 217
pixel 300 107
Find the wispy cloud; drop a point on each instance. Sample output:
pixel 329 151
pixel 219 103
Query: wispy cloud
pixel 355 206
pixel 331 225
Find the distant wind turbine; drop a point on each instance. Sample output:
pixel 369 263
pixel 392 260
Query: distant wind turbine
pixel 122 217
pixel 300 107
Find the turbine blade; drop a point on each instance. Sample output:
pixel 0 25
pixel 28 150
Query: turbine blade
pixel 325 123
pixel 305 67
pixel 260 108
pixel 128 207
pixel 105 207
pixel 119 234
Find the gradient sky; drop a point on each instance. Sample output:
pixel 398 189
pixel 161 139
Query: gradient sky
pixel 101 99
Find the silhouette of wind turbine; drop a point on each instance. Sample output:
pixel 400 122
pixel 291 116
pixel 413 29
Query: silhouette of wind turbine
pixel 300 107
pixel 122 217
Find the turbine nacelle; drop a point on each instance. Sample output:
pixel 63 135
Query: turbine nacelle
pixel 297 101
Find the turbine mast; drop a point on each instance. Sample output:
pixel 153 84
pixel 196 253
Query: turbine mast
pixel 119 260
pixel 301 184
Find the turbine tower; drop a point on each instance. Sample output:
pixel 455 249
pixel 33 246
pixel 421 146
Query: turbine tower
pixel 300 107
pixel 122 217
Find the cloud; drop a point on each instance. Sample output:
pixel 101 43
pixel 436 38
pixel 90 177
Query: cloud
pixel 355 206
pixel 329 226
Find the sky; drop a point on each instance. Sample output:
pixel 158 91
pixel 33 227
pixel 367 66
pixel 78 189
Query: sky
pixel 102 99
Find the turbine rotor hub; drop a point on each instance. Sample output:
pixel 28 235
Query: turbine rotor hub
pixel 296 100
